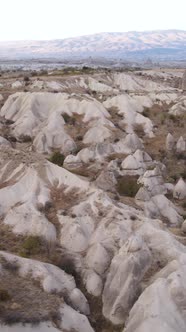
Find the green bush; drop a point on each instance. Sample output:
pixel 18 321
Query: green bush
pixel 184 205
pixel 68 119
pixel 4 295
pixel 57 158
pixel 146 112
pixel 127 186
pixel 31 246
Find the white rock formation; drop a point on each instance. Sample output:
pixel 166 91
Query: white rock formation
pixel 153 182
pixel 181 145
pixel 169 142
pixel 161 306
pixel 51 279
pixel 179 108
pixel 4 141
pixel 134 83
pixel 130 109
pixel 137 163
pixel 180 189
pixel 161 207
pixel 40 116
pixel 128 145
pixel 123 280
pixel 184 81
pixel 17 85
pixel 97 134
pixel 94 85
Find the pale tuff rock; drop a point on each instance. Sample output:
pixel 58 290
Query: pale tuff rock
pixel 97 134
pixel 132 83
pixel 180 189
pixel 41 327
pixel 94 283
pixel 170 142
pixel 125 255
pixel 179 108
pixel 128 145
pixel 53 136
pixel 184 81
pixel 17 85
pixel 153 182
pixel 183 227
pixel 136 163
pixel 48 127
pixel 181 145
pixel 4 141
pixel 159 206
pixel 20 201
pixel 130 109
pixel 54 85
pixel 51 279
pixel 163 97
pixel 98 259
pixel 147 314
pixel 123 280
pixel 94 85
pixel 76 232
pixel 96 152
pixel 106 181
pixel 72 320
pixel 1 97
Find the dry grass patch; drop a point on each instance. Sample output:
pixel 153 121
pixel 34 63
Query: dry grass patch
pixel 23 301
pixel 128 186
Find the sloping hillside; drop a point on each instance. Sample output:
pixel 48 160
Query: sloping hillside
pixel 156 44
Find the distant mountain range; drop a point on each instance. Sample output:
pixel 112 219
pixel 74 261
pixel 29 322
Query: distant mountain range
pixel 157 45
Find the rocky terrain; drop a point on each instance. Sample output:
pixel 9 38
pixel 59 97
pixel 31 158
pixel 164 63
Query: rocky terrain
pixel 93 201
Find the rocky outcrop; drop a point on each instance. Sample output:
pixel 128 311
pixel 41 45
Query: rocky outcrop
pixel 169 142
pixel 184 81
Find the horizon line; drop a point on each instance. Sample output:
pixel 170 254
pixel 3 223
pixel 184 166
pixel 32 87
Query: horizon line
pixel 92 34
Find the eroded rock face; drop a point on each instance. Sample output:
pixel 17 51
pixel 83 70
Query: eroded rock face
pixel 170 142
pixel 122 285
pixel 148 313
pixel 180 189
pixel 184 81
pixel 102 244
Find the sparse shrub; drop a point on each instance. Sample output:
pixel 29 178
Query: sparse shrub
pixel 184 205
pixel 25 138
pixel 68 119
pixel 79 138
pixel 175 177
pixel 10 266
pixel 181 155
pixel 138 128
pixel 4 295
pixel 146 112
pixel 66 264
pixel 128 186
pixel 26 79
pixel 57 158
pixel 43 72
pixel 183 174
pixel 31 246
pixel 116 140
pixel 173 117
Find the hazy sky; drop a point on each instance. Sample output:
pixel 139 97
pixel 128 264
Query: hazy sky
pixel 48 19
